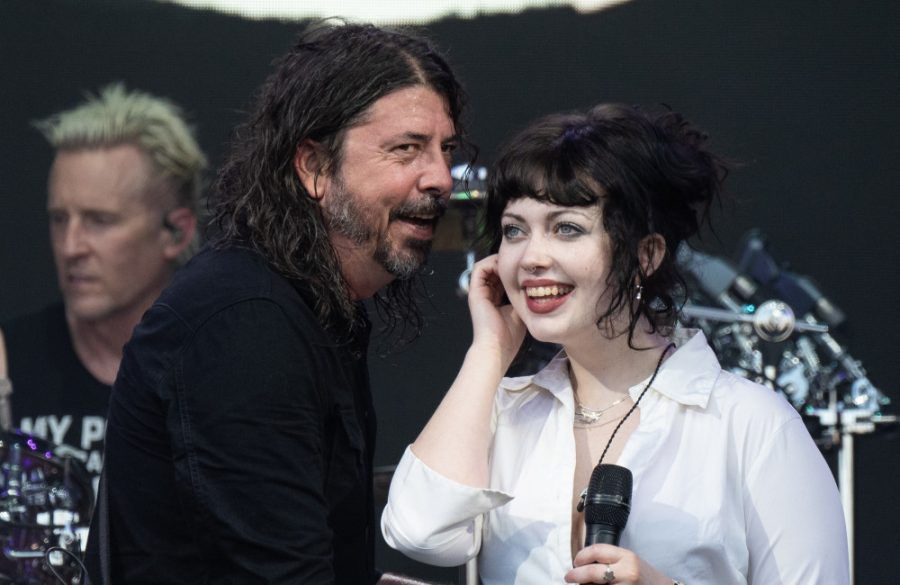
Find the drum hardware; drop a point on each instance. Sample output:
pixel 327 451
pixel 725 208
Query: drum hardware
pixel 466 276
pixel 458 230
pixel 45 506
pixel 767 343
pixel 773 320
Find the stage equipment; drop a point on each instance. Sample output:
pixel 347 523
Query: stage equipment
pixel 46 501
pixel 458 230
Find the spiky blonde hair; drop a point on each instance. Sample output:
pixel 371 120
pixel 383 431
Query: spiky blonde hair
pixel 117 116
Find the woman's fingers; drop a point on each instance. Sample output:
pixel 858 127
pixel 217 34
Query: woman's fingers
pixel 605 563
pixel 485 282
pixel 599 553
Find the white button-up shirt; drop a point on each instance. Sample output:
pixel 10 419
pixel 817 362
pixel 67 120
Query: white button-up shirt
pixel 729 488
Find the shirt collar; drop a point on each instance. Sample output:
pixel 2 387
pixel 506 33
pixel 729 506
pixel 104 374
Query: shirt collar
pixel 687 376
pixel 554 377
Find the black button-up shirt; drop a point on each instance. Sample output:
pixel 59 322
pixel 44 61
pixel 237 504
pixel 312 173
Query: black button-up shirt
pixel 240 438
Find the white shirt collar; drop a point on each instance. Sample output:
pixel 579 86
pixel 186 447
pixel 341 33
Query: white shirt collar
pixel 687 376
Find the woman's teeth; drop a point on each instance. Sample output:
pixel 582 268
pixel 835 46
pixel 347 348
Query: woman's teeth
pixel 547 291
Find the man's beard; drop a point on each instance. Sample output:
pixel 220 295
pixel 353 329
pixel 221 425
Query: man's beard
pixel 347 215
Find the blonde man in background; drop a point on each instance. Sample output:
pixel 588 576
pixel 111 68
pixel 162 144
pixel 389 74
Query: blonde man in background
pixel 123 194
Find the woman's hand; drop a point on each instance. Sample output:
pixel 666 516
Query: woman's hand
pixel 605 563
pixel 493 325
pixel 456 441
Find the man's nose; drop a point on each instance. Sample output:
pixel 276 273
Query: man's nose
pixel 436 179
pixel 73 239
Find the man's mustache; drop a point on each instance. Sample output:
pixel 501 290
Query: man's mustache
pixel 431 207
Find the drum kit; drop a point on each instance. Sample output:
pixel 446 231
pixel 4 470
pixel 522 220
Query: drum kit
pixel 45 509
pixel 774 326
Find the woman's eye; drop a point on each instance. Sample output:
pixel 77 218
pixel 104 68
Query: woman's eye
pixel 568 229
pixel 511 231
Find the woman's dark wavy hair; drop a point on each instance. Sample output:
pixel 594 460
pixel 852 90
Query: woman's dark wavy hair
pixel 321 88
pixel 650 173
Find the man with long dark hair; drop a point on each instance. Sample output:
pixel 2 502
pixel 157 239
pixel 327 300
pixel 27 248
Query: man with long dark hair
pixel 240 434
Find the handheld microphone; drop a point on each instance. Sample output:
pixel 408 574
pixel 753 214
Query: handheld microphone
pixel 607 504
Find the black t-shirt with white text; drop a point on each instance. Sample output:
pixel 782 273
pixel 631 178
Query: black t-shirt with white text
pixel 54 397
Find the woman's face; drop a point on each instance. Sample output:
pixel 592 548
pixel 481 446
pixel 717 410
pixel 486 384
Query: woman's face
pixel 554 262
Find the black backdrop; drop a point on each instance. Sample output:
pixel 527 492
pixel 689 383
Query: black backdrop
pixel 802 92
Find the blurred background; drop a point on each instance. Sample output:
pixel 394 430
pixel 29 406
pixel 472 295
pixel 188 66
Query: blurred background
pixel 802 93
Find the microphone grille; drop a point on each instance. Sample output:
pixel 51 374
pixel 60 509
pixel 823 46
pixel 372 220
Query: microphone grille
pixel 608 498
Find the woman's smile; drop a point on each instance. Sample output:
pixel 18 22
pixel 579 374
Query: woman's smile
pixel 544 296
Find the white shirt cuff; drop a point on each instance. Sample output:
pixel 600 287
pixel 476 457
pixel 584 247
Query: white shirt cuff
pixel 432 518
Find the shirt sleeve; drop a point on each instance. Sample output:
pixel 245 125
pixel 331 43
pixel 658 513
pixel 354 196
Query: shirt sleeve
pixel 247 427
pixel 795 524
pixel 433 519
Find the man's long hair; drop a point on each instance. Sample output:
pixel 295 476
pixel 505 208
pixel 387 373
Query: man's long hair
pixel 322 87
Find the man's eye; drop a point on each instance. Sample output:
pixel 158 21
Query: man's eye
pixel 57 218
pixel 99 220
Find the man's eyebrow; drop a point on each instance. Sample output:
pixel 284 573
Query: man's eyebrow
pixel 415 136
pixel 420 137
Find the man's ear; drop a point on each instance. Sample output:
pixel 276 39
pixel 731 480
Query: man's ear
pixel 309 166
pixel 181 225
pixel 651 252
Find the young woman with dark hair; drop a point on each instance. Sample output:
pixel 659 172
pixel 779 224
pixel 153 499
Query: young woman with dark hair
pixel 585 213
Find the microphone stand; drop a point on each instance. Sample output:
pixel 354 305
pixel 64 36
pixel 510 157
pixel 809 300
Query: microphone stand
pixel 469 189
pixel 468 573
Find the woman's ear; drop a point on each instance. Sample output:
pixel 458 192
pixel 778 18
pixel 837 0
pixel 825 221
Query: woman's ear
pixel 308 163
pixel 651 252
